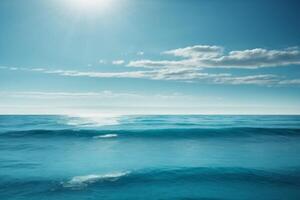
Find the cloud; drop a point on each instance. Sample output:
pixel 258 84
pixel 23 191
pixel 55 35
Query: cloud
pixel 118 62
pixel 184 75
pixel 290 82
pixel 95 96
pixel 154 64
pixel 159 74
pixel 257 58
pixel 264 79
pixel 94 74
pixel 204 56
pixel 193 60
pixel 63 95
pixel 198 51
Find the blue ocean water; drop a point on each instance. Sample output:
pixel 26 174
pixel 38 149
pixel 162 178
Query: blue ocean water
pixel 149 157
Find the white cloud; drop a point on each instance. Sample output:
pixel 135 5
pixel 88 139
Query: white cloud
pixel 291 82
pixel 106 95
pixel 185 75
pixel 63 95
pixel 154 64
pixel 203 56
pixel 198 51
pixel 118 62
pixel 264 79
pixel 193 60
pixel 256 58
pixel 159 74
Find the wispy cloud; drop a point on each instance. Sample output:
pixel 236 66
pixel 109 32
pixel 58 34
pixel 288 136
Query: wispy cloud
pixel 291 81
pixel 197 51
pixel 118 62
pixel 103 95
pixel 193 59
pixel 63 95
pixel 155 74
pixel 175 74
pixel 265 79
pixel 204 56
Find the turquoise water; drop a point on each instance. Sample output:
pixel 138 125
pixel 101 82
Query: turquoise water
pixel 150 157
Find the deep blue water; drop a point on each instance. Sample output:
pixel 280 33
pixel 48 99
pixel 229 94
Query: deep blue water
pixel 150 157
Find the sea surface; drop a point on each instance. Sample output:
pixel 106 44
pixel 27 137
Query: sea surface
pixel 163 157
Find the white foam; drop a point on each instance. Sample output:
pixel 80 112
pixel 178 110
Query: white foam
pixel 105 136
pixel 83 181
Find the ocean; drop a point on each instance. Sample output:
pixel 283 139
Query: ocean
pixel 157 157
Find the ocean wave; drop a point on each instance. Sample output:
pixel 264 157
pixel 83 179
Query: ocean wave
pixel 161 133
pixel 161 177
pixel 195 175
pixel 17 165
pixel 83 181
pixel 85 121
pixel 203 174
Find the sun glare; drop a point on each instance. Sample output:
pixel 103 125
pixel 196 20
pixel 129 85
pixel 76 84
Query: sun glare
pixel 90 5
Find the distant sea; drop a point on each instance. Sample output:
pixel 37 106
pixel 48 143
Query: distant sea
pixel 157 157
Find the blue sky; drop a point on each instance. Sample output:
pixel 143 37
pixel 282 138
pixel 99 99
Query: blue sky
pixel 142 56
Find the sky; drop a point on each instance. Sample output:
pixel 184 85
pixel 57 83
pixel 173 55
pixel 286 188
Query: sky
pixel 150 57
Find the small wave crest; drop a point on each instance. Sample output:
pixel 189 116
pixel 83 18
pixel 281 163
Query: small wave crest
pixel 78 182
pixel 105 136
pixel 195 175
